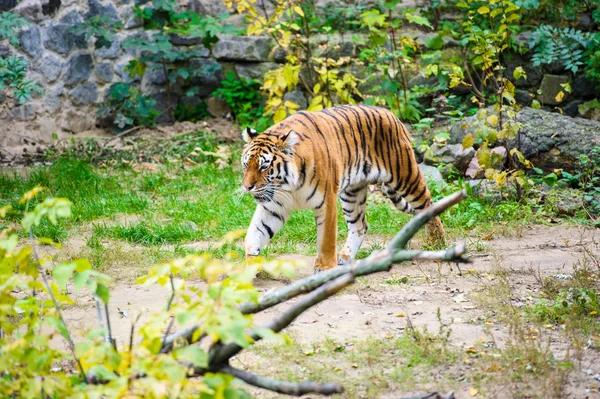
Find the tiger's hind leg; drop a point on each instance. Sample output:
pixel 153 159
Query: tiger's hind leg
pixel 412 198
pixel 353 205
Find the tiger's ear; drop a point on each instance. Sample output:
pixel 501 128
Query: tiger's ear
pixel 248 134
pixel 288 141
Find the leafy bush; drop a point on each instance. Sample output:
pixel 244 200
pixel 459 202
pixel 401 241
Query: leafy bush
pixel 244 98
pixel 569 303
pixel 566 46
pixel 127 106
pixel 13 71
pixel 10 24
pixel 101 28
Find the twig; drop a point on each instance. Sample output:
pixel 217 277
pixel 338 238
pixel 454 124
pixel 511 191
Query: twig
pixel 168 330
pixel 125 133
pixel 100 322
pixel 60 316
pixel 376 262
pixel 110 337
pixel 283 387
pixel 221 355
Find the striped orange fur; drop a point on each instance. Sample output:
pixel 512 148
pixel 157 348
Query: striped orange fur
pixel 312 158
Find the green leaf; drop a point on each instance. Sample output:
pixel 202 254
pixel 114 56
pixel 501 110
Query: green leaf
pixel 550 179
pixel 63 272
pixel 417 19
pixel 535 104
pixel 435 42
pixel 102 373
pixel 192 354
pixel 103 293
pixel 519 73
pixel 54 321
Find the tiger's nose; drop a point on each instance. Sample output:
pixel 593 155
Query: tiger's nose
pixel 248 187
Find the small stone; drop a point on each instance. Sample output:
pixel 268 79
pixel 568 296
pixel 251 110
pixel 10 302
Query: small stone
pixel 104 72
pixel 24 112
pixel 50 66
pixel 157 77
pixel 111 52
pixel 297 97
pixel 130 20
pixel 79 69
pixel 86 93
pixel 5 51
pixel 30 40
pixel 52 99
pixel 217 107
pixel 124 75
pixel 7 5
pixel 209 75
pixel 31 10
pixel 60 38
pixel 450 154
pixel 551 86
pixel 191 226
pixel 77 121
pixel 243 48
pixel 431 173
pixel 585 88
pixel 572 108
pixel 523 97
pixel 95 8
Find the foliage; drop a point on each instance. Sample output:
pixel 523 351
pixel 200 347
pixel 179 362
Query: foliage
pixel 569 303
pixel 189 112
pixel 244 98
pixel 589 179
pixel 10 24
pixel 96 366
pixel 163 19
pixel 101 28
pixel 565 46
pixel 13 73
pixel 127 106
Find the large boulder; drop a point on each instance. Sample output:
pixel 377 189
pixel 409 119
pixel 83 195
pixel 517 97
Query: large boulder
pixel 255 70
pixel 551 86
pixel 550 140
pixel 243 48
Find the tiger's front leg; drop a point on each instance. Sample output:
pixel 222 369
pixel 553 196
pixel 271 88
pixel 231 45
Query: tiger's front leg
pixel 326 220
pixel 266 222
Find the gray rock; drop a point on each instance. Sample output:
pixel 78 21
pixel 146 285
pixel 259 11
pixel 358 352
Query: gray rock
pixel 585 88
pixel 555 68
pixel 550 87
pixel 278 55
pixel 533 74
pixel 79 69
pixel 548 139
pixel 431 173
pixel 24 112
pixel 7 5
pixel 111 52
pixel 130 21
pixel 572 108
pixel 31 10
pixel 104 72
pixel 86 93
pixel 50 66
pixel 207 7
pixel 5 51
pixel 52 99
pixel 50 7
pixel 157 77
pixel 96 8
pixel 59 37
pixel 77 121
pixel 209 75
pixel 30 40
pixel 296 96
pixel 162 104
pixel 450 154
pixel 255 70
pixel 243 48
pixel 523 97
pixel 181 40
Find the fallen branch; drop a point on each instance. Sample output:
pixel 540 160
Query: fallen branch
pixel 283 387
pixel 377 262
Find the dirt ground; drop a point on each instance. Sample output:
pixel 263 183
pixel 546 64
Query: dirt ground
pixel 371 307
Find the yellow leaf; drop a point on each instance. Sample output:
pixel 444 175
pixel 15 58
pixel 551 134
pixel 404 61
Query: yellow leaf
pixel 299 10
pixel 317 88
pixel 403 315
pixel 593 312
pixel 280 115
pixel 291 104
pixel 28 196
pixel 559 97
pixel 473 391
pixel 468 141
pixel 492 120
pixel 483 10
pixel 489 236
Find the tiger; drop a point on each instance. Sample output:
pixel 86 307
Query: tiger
pixel 310 159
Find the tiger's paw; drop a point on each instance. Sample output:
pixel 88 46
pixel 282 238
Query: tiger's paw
pixel 344 258
pixel 320 266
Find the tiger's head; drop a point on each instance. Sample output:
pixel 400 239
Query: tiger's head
pixel 268 163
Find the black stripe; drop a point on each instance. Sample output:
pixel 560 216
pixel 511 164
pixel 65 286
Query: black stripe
pixel 269 230
pixel 313 192
pixel 274 214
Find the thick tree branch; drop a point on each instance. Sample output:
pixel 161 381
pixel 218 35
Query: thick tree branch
pixel 283 387
pixel 221 355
